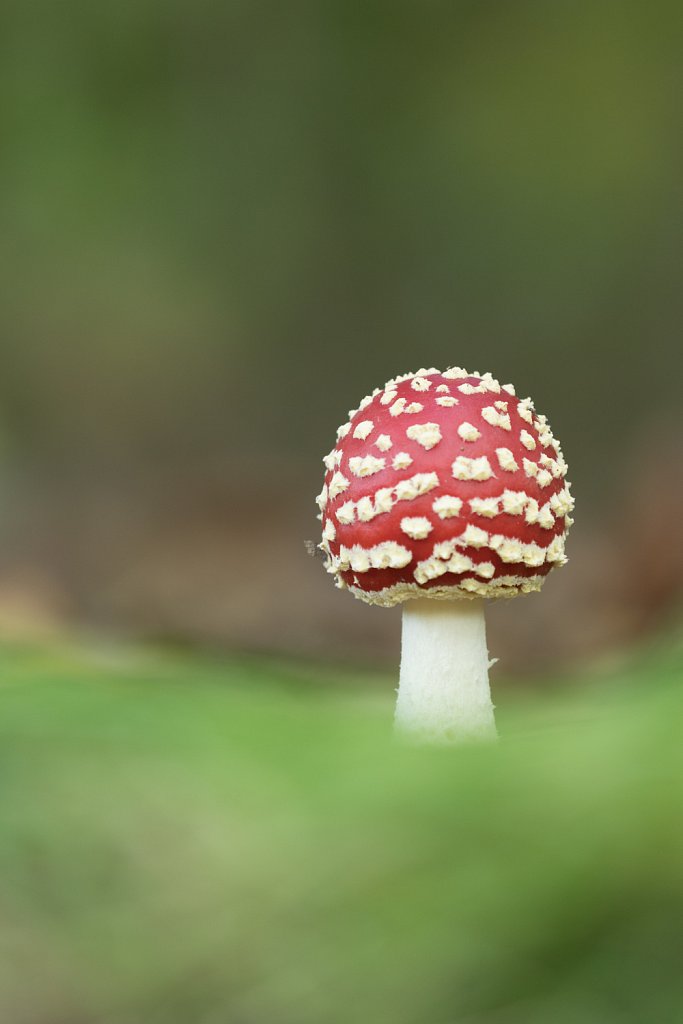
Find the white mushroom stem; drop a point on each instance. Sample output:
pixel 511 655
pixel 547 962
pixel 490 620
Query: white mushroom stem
pixel 444 693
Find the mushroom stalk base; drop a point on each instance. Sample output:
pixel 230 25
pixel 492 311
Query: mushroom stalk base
pixel 444 694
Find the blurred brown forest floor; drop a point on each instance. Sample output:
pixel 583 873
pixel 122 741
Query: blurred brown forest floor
pixel 221 563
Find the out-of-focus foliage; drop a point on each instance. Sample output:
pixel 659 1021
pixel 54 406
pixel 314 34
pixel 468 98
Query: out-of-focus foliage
pixel 209 207
pixel 173 848
pixel 225 221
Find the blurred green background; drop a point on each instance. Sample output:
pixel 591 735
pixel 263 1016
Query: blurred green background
pixel 223 223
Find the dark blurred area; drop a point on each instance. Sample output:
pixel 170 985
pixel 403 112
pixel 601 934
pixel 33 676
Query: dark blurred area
pixel 224 223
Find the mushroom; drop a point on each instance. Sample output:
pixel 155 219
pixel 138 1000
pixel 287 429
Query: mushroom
pixel 442 491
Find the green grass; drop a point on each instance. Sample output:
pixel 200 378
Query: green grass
pixel 198 842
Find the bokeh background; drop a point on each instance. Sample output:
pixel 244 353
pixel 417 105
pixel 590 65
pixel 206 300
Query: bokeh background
pixel 223 223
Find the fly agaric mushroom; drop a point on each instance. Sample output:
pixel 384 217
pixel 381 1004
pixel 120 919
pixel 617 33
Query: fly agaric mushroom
pixel 443 490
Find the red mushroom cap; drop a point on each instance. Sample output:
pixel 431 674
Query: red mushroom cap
pixel 444 485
